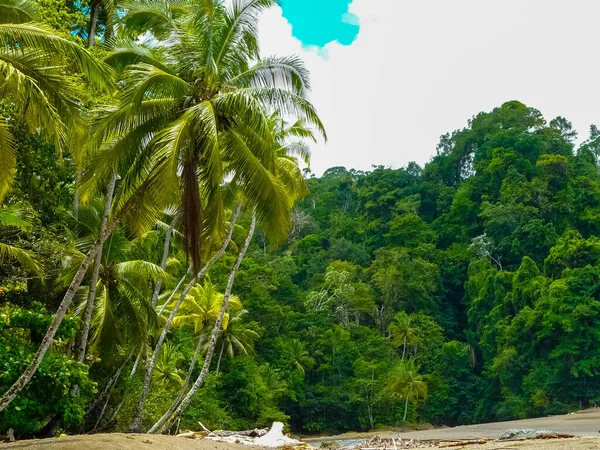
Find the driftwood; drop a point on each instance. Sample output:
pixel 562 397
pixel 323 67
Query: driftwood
pixel 555 436
pixel 461 443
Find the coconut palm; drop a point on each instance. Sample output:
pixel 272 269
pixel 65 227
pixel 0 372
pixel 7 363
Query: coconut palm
pixel 405 380
pixel 235 338
pixel 34 63
pixel 122 312
pixel 167 370
pixel 402 331
pixel 201 307
pixel 201 111
pixel 199 115
pixel 297 356
pixel 16 219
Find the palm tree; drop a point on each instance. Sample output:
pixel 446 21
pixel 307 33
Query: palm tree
pixel 167 370
pixel 234 337
pixel 402 331
pixel 34 63
pixel 201 307
pixel 274 382
pixel 198 116
pixel 121 312
pixel 297 355
pixel 16 218
pixel 213 336
pixel 201 111
pixel 406 380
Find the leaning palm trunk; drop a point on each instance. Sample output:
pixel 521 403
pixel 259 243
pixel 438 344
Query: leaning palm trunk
pixel 405 409
pixel 60 314
pixel 80 351
pixel 163 263
pixel 216 330
pixel 220 357
pixel 182 391
pixel 172 296
pixel 136 424
pixel 109 385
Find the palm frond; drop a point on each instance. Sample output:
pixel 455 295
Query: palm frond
pixel 126 53
pixel 8 158
pixel 288 73
pixel 42 37
pixel 16 215
pixel 27 259
pixel 18 11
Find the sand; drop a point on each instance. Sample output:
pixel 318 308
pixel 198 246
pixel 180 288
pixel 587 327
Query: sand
pixel 120 441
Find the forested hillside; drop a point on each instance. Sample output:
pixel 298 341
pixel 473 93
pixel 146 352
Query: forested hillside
pixel 165 260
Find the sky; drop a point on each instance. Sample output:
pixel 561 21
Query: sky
pixel 389 77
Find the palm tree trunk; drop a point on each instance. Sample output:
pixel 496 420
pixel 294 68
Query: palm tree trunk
pixel 220 356
pixel 405 408
pixel 60 314
pixel 109 385
pixel 80 351
pixel 404 348
pixel 216 329
pixel 94 23
pixel 163 263
pixel 136 424
pixel 182 391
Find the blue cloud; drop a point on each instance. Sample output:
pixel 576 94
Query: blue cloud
pixel 319 22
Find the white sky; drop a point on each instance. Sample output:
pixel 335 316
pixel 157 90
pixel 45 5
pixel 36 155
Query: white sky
pixel 422 68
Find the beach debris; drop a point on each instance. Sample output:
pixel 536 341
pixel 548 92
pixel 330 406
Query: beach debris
pixel 461 443
pixel 273 438
pixel 383 443
pixel 555 436
pixel 523 433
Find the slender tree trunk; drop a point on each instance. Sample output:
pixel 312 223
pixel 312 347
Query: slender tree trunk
pixel 164 306
pixel 216 329
pixel 136 424
pixel 80 351
pixel 103 410
pixel 136 363
pixel 163 263
pixel 76 194
pixel 109 385
pixel 182 391
pixel 220 356
pixel 94 23
pixel 60 314
pixel 405 408
pixel 404 348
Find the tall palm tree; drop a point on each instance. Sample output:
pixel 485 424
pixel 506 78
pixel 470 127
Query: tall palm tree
pixel 234 337
pixel 201 111
pixel 34 63
pixel 199 115
pixel 16 218
pixel 297 355
pixel 405 379
pixel 402 331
